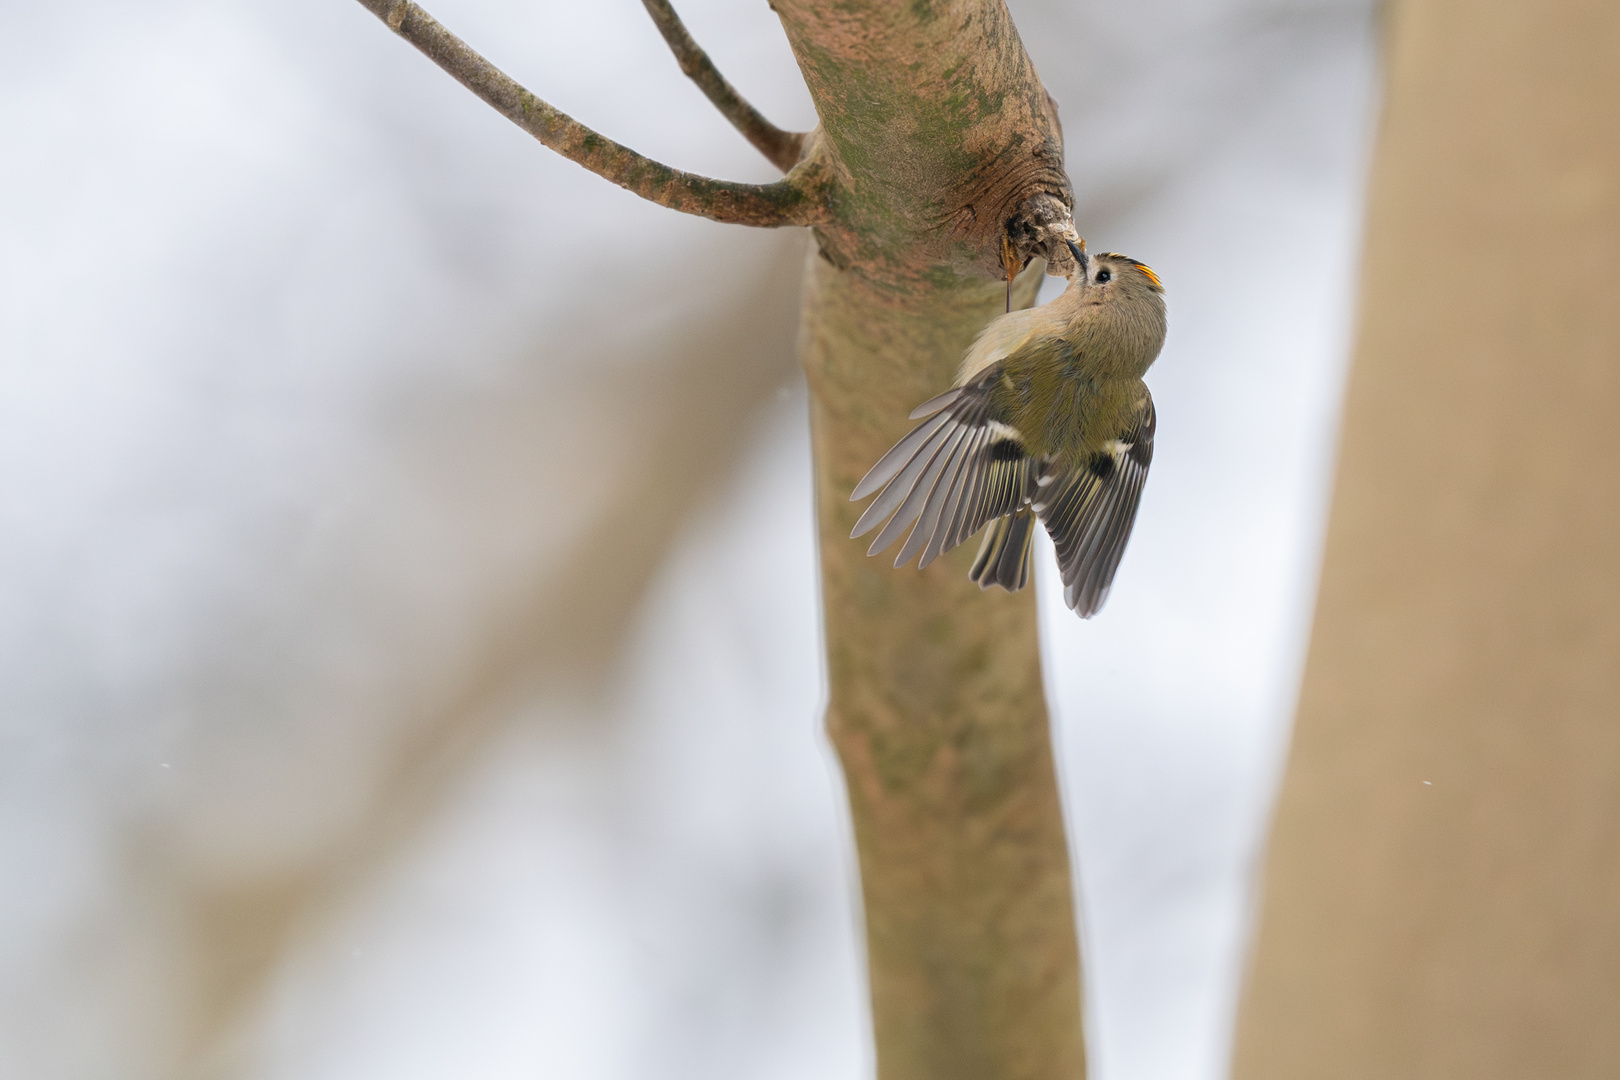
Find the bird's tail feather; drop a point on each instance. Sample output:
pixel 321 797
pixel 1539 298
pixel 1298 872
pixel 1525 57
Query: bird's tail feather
pixel 1003 558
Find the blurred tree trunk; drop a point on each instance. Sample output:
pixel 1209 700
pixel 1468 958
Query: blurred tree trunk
pixel 1442 897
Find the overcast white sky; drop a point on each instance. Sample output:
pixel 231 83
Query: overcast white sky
pixel 408 654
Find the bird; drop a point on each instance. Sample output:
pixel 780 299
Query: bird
pixel 1048 419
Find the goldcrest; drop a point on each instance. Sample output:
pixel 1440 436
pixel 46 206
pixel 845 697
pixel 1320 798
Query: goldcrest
pixel 1049 419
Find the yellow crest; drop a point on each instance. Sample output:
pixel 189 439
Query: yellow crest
pixel 1147 271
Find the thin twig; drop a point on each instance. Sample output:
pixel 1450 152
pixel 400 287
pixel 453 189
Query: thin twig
pixel 793 200
pixel 781 148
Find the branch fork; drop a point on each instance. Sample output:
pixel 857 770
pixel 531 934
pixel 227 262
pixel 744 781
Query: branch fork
pixel 797 199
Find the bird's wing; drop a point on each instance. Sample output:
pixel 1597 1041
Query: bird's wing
pixel 1090 511
pixel 955 471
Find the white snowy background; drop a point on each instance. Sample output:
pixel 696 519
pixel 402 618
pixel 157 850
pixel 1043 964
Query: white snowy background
pixel 408 652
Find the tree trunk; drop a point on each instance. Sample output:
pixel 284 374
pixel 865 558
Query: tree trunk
pixel 940 133
pixel 935 708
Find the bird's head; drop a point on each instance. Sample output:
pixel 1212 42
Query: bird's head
pixel 1110 276
pixel 1120 297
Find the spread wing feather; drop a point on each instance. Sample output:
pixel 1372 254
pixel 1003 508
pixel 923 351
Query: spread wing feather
pixel 916 501
pixel 935 522
pixel 934 404
pixel 1005 484
pixel 1090 512
pixel 954 472
pixel 1003 558
pixel 898 457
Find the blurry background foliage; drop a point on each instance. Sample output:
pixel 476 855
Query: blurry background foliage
pixel 407 603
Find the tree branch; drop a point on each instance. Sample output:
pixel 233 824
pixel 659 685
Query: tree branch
pixel 781 148
pixel 794 200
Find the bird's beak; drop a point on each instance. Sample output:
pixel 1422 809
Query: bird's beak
pixel 1081 259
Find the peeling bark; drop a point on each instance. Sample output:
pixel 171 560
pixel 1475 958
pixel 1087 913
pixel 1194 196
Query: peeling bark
pixel 938 133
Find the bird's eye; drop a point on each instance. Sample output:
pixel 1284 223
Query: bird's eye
pixel 1104 275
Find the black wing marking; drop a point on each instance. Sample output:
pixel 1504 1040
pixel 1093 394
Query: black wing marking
pixel 1007 482
pixel 1090 511
pixel 955 471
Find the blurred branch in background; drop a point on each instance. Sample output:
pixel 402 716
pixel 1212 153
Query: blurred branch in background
pixel 566 626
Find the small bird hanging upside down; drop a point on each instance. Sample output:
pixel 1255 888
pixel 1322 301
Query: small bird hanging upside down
pixel 1049 418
